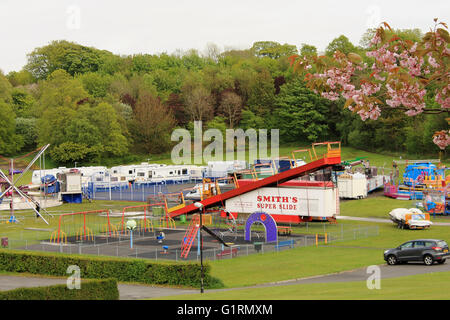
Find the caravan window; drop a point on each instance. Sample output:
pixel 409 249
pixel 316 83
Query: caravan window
pixel 130 171
pixel 185 171
pixel 141 174
pixel 171 172
pixel 150 174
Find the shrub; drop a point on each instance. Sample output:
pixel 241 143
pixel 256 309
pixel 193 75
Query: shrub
pixel 89 290
pixel 121 269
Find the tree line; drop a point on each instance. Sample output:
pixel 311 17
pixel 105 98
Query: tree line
pixel 92 105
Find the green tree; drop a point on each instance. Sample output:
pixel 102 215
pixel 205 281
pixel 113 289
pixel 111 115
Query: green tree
pixel 219 123
pixel 273 49
pixel 23 103
pixel 10 142
pixel 342 44
pixel 27 129
pixel 251 121
pixel 5 89
pixel 96 84
pixel 90 133
pixel 301 115
pixel 60 90
pixel 69 56
pixel 20 78
pixel 308 50
pixel 262 93
pixel 415 35
pixel 153 124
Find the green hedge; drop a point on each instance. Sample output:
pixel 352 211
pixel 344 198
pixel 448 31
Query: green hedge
pixel 89 290
pixel 121 269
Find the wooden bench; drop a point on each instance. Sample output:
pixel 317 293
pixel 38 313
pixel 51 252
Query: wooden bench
pixel 285 231
pixel 285 243
pixel 227 252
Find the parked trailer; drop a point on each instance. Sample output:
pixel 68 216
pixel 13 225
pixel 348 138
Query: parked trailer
pixel 289 204
pixel 412 218
pixel 352 186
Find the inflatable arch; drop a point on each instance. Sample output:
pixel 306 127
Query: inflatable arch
pixel 267 221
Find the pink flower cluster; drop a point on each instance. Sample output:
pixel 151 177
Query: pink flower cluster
pixel 442 139
pixel 386 59
pixel 339 83
pixel 443 98
pixel 409 95
pixel 401 73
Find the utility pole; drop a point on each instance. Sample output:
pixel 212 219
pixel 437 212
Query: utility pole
pixel 11 205
pixel 201 207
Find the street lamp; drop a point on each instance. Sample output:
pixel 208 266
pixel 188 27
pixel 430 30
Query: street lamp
pixel 200 206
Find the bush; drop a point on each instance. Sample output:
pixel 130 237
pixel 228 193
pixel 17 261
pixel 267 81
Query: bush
pixel 89 290
pixel 121 269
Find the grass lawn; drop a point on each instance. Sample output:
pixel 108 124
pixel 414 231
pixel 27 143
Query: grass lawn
pixel 390 236
pixel 417 287
pixel 334 257
pixel 379 207
pixel 291 264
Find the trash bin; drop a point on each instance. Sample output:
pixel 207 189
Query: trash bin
pixel 183 218
pixel 258 246
pixel 158 211
pixel 4 242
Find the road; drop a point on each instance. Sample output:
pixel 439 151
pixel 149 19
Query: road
pixel 138 292
pixel 126 291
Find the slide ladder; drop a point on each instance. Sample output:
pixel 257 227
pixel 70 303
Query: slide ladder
pixel 189 236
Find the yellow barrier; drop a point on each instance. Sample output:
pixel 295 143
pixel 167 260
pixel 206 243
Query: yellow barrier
pixel 325 239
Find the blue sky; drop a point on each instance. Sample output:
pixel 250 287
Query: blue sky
pixel 139 26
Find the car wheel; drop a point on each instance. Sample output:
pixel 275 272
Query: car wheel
pixel 391 260
pixel 428 260
pixel 441 261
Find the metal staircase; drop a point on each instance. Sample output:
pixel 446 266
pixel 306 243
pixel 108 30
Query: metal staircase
pixel 189 236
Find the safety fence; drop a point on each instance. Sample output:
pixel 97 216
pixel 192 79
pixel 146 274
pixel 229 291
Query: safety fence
pixel 135 191
pixel 170 250
pixel 123 192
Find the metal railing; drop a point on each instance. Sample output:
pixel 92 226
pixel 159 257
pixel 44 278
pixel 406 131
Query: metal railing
pixel 120 245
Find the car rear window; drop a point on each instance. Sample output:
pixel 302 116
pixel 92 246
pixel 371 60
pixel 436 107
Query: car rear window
pixel 442 244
